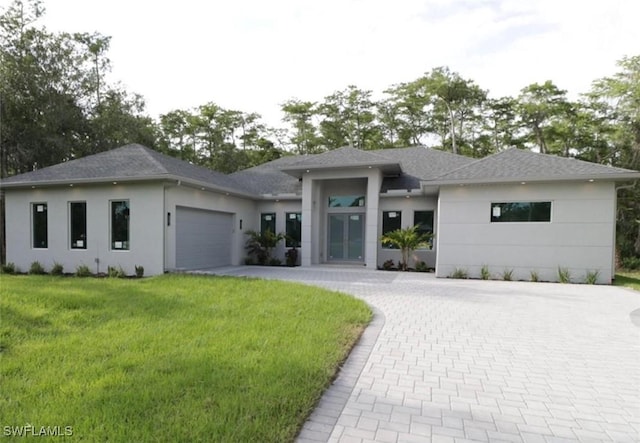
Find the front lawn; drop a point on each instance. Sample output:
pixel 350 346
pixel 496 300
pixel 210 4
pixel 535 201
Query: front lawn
pixel 171 358
pixel 630 279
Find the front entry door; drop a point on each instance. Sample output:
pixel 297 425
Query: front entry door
pixel 346 237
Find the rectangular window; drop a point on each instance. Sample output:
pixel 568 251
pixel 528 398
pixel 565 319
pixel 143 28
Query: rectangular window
pixel 78 224
pixel 120 225
pixel 268 222
pixel 346 201
pixel 39 228
pixel 293 229
pixel 521 212
pixel 391 220
pixel 424 221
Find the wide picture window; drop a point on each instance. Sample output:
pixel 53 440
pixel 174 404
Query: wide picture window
pixel 521 212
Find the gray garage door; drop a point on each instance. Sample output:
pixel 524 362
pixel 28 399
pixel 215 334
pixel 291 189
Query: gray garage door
pixel 203 238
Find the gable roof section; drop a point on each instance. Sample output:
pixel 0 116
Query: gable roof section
pixel 342 158
pixel 515 165
pixel 268 178
pixel 132 162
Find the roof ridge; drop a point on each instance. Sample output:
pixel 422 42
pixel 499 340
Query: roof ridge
pixel 470 164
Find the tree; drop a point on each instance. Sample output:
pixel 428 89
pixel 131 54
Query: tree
pixel 540 105
pixel 304 137
pixel 407 240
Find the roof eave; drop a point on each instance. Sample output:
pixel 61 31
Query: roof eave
pixel 297 170
pixel 612 177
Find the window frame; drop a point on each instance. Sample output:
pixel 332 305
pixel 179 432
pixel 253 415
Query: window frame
pixel 34 211
pixel 72 241
pixel 385 218
pixel 293 241
pixel 358 201
pixel 264 222
pixel 127 243
pixel 433 227
pixel 498 219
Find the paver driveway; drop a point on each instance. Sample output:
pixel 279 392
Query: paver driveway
pixel 457 360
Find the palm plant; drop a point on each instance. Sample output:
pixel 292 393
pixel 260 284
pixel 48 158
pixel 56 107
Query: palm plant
pixel 260 244
pixel 407 240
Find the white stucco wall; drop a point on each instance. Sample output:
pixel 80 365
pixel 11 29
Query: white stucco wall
pixel 241 209
pixel 145 229
pixel 408 206
pixel 579 237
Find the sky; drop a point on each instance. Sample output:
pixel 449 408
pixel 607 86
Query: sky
pixel 253 55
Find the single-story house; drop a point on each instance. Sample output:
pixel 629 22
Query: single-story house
pixel 514 210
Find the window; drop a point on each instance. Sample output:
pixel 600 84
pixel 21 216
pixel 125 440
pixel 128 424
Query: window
pixel 391 220
pixel 120 225
pixel 268 222
pixel 346 201
pixel 424 221
pixel 521 212
pixel 39 225
pixel 78 224
pixel 293 229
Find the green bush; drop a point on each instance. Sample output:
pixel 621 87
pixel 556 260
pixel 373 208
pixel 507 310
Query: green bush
pixel 139 271
pixel 8 268
pixel 592 277
pixel 114 272
pixel 275 261
pixel 83 271
pixel 249 261
pixel 534 276
pixel 631 263
pixel 57 269
pixel 388 265
pixel 421 266
pixel 564 275
pixel 484 272
pixel 507 274
pixel 36 268
pixel 459 273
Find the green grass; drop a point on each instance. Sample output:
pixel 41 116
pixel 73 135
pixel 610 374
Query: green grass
pixel 630 279
pixel 171 358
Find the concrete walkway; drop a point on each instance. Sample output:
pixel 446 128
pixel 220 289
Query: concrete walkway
pixel 483 361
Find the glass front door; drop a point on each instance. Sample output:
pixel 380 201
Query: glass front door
pixel 346 237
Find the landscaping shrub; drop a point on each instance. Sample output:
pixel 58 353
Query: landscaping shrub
pixel 83 271
pixel 459 273
pixel 421 266
pixel 275 262
pixel 388 265
pixel 534 277
pixel 8 268
pixel 484 272
pixel 57 269
pixel 292 257
pixel 36 268
pixel 507 274
pixel 592 277
pixel 114 272
pixel 631 263
pixel 139 271
pixel 564 275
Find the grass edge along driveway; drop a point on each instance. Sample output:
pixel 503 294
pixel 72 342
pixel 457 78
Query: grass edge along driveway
pixel 170 358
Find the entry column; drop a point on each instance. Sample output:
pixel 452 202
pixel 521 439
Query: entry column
pixel 371 231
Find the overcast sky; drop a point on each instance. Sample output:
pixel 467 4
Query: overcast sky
pixel 252 55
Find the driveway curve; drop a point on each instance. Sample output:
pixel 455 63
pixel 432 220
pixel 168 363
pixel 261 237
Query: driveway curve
pixel 482 361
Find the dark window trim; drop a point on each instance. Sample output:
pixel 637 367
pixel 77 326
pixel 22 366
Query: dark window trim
pixel 539 215
pixel 296 242
pixel 263 220
pixel 384 231
pixel 34 207
pixel 127 246
pixel 71 232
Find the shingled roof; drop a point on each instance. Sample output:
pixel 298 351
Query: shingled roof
pixel 515 165
pixel 132 162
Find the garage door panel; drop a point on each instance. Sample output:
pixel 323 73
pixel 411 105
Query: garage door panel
pixel 203 238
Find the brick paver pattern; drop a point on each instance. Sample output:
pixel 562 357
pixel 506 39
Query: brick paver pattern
pixel 480 361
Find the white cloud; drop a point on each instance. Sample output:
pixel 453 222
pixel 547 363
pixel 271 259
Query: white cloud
pixel 252 55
